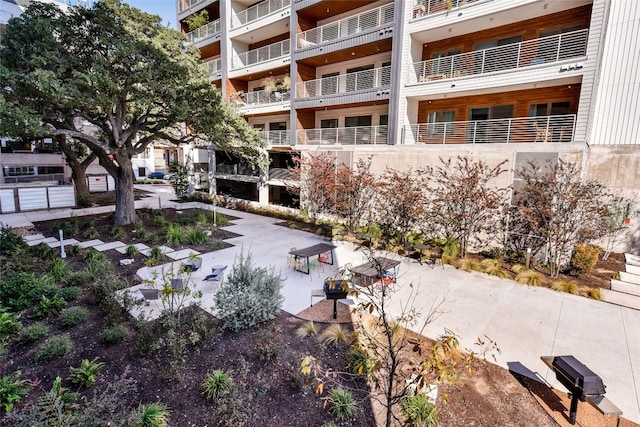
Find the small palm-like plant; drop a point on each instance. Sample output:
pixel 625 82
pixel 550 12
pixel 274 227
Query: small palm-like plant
pixel 341 404
pixel 334 334
pixel 469 264
pixel 196 236
pixel 419 411
pixel 175 235
pixel 12 389
pixel 117 232
pixel 494 267
pixel 529 277
pixel 306 329
pixel 59 268
pixel 216 384
pixel 87 373
pixel 131 251
pixel 152 415
pixel 568 286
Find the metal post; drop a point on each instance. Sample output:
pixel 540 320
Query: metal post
pixel 62 252
pixel 573 411
pixel 214 217
pixel 528 257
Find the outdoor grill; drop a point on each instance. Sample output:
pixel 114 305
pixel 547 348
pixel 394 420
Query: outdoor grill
pixel 581 381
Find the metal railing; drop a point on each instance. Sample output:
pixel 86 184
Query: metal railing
pixel 347 27
pixel 203 32
pixel 213 67
pixel 344 83
pixel 49 177
pixel 258 11
pixel 358 135
pixel 262 54
pixel 277 137
pixel 186 4
pixel 280 173
pixel 508 57
pixel 223 169
pixel 265 97
pixel 429 7
pixel 520 129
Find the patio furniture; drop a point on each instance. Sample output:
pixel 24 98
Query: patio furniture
pixel 217 273
pixel 371 272
pixel 335 289
pixel 150 294
pixel 301 256
pixel 316 293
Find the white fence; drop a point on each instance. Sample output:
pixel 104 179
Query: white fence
pixel 17 199
pixel 100 183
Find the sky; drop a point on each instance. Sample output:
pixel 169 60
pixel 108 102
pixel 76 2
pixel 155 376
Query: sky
pixel 165 8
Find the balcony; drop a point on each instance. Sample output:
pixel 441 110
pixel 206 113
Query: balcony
pixel 348 27
pixel 359 135
pixel 422 8
pixel 540 129
pixel 183 5
pixel 277 137
pixel 263 101
pixel 528 53
pixel 345 83
pixel 262 55
pixel 258 11
pixel 214 68
pixel 212 29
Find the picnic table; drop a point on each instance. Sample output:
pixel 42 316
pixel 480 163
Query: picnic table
pixel 370 272
pixel 311 251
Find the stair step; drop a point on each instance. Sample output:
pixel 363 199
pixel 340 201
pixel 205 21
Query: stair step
pixel 632 259
pixel 626 287
pixel 620 298
pixel 630 277
pixel 633 269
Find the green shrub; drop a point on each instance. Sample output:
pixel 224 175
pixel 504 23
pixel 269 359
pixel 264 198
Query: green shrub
pixel 12 390
pixel 69 227
pixel 250 295
pixel 341 404
pixel 469 264
pixel 54 348
pixel 216 384
pixel 34 332
pixel 152 238
pixel 69 293
pixel 152 415
pixel 114 334
pixel 419 411
pixel 159 221
pixel 19 291
pixel 47 306
pixel 175 235
pixel 59 268
pixel 215 244
pixel 196 236
pixel 90 233
pixel 73 316
pixel 117 233
pixel 10 241
pixel 270 343
pixel 43 251
pixel 155 253
pixel 451 248
pixel 86 223
pixel 9 325
pixel 359 361
pixel 131 251
pixel 94 256
pixel 494 268
pixel 584 258
pixel 86 374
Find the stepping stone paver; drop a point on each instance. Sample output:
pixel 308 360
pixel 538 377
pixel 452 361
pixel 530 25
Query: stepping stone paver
pixel 67 242
pixel 110 245
pixel 163 250
pixel 91 243
pixel 139 247
pixel 37 242
pixel 182 254
pixel 33 237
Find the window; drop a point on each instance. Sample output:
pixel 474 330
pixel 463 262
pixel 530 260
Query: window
pixel 445 62
pixel 357 121
pixel 360 130
pixel 549 109
pixel 278 126
pixel 496 55
pixel 486 127
pixel 554 123
pixel 384 120
pixel 142 172
pixel 329 132
pixel 259 126
pixel 18 170
pixel 328 123
pixel 49 170
pixel 440 122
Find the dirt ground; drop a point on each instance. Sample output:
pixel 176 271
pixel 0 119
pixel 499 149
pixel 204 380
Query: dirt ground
pixel 272 392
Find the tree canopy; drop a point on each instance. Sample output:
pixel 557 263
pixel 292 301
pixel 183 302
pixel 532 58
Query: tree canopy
pixel 115 79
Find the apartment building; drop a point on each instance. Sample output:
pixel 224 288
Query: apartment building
pixel 406 82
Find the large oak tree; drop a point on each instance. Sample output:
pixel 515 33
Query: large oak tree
pixel 115 79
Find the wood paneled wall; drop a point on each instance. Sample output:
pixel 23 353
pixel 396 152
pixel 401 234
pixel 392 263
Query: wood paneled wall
pixel 271 40
pixel 306 119
pixel 529 29
pixel 521 99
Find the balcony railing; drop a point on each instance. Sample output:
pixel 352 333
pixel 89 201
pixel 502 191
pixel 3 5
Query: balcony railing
pixel 352 82
pixel 258 11
pixel 515 130
pixel 277 137
pixel 186 4
pixel 428 7
pixel 214 67
pixel 509 57
pixel 223 169
pixel 262 54
pixel 265 97
pixel 346 136
pixel 203 32
pixel 347 27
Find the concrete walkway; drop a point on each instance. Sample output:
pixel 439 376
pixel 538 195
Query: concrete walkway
pixel 525 322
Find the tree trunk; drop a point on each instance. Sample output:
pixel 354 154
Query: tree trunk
pixel 79 177
pixel 125 213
